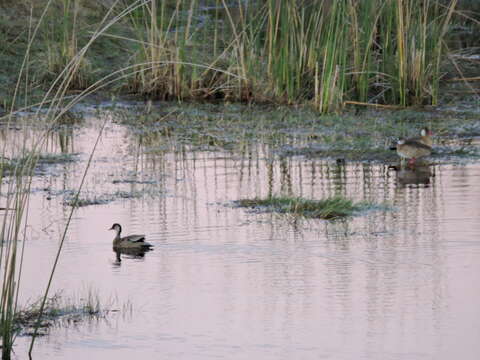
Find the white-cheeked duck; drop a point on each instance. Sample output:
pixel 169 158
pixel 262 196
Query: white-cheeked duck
pixel 130 241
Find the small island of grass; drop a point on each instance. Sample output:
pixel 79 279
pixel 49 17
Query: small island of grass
pixel 330 208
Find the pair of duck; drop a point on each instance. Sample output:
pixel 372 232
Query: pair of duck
pixel 416 147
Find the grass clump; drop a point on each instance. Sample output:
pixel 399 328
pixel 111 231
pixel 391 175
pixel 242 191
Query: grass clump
pixel 93 199
pixel 56 309
pixel 26 165
pixel 56 158
pixel 330 208
pixel 86 202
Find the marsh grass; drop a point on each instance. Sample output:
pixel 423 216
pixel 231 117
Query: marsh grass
pixel 324 53
pixel 330 208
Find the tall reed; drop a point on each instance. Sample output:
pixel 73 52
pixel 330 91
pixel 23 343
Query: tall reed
pixel 327 52
pixel 175 56
pixel 62 35
pixel 320 52
pixel 16 195
pixel 412 37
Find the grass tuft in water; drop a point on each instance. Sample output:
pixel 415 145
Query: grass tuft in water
pixel 57 309
pixel 92 199
pixel 330 208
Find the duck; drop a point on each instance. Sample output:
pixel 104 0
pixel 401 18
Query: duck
pixel 412 149
pixel 130 241
pixel 424 138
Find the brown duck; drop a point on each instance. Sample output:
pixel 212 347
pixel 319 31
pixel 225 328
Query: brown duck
pixel 424 138
pixel 130 241
pixel 412 149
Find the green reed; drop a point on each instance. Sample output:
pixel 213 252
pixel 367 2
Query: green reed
pixel 325 53
pixel 63 35
pixel 369 51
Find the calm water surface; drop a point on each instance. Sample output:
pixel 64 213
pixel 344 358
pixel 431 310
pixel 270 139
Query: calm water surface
pixel 229 283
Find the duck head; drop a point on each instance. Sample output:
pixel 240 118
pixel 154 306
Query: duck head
pixel 117 228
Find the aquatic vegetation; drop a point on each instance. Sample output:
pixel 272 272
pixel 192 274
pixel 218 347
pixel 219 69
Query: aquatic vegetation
pixel 26 165
pixel 330 208
pixel 308 49
pixel 87 199
pixel 62 47
pixel 57 309
pixel 86 202
pixel 324 53
pixel 294 132
pixel 60 158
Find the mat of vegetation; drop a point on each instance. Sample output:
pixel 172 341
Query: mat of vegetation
pixel 330 208
pixel 300 131
pixel 56 311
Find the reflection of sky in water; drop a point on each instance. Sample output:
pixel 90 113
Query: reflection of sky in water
pixel 228 283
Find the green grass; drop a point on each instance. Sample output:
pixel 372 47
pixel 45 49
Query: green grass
pixel 321 53
pixel 330 208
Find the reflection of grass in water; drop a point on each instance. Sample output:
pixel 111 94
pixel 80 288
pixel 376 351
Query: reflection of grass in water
pixel 330 208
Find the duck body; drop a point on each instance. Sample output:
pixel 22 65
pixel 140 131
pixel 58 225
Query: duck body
pixel 130 241
pixel 425 138
pixel 412 149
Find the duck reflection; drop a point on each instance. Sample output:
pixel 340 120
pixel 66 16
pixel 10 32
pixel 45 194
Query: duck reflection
pixel 129 253
pixel 420 174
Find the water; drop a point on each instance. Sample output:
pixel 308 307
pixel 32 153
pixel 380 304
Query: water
pixel 229 283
